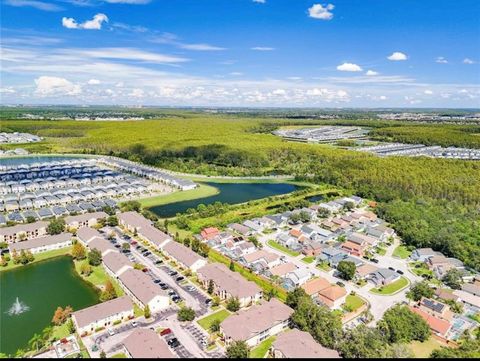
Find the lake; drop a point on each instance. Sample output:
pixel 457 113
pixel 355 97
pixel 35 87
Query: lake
pixel 41 287
pixel 30 159
pixel 231 193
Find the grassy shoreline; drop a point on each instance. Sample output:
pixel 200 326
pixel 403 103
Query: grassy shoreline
pixel 39 257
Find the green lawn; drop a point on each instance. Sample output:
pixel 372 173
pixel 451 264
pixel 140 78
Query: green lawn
pixel 281 248
pixel 401 252
pixel 60 332
pixel 39 257
pixel 308 259
pixel 262 348
pixel 207 321
pixel 424 349
pixel 202 191
pixel 324 266
pixel 392 287
pixel 381 251
pixel 98 277
pixel 119 355
pixel 353 303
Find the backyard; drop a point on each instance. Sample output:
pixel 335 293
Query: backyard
pixel 401 252
pixel 281 248
pixel 262 348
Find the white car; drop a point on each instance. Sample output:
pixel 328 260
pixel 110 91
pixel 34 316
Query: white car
pixel 134 324
pixel 111 331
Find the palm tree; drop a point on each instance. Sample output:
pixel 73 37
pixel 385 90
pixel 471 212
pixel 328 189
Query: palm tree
pixel 36 342
pixel 47 333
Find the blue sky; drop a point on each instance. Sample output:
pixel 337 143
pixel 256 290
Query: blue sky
pixel 339 53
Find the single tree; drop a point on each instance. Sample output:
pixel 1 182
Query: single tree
pixel 109 292
pixel 36 342
pixel 238 349
pixel 453 279
pixel 211 287
pixel 215 325
pixel 95 257
pixel 146 312
pixel 231 266
pixel 103 354
pixel 56 226
pixel 186 314
pixel 346 270
pixel 419 290
pixel 78 251
pixel 233 304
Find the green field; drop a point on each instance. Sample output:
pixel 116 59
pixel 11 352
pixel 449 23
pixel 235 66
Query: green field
pixel 39 257
pixel 392 287
pixel 308 259
pixel 281 248
pixel 424 349
pixel 261 350
pixel 401 252
pixel 206 322
pixel 353 302
pixel 202 191
pixel 98 277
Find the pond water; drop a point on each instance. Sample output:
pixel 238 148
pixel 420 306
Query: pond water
pixel 29 296
pixel 35 159
pixel 231 193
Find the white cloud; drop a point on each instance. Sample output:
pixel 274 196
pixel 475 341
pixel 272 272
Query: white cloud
pixel 294 78
pixel 397 56
pixel 40 5
pixel 52 85
pixel 236 73
pixel 382 97
pixel 441 60
pixel 200 47
pixel 349 67
pixel 279 92
pixel 428 92
pixel 468 61
pixel 318 11
pixel 371 73
pixel 260 1
pixel 262 48
pixel 94 24
pixel 7 90
pixel 94 82
pixel 126 54
pixel 137 93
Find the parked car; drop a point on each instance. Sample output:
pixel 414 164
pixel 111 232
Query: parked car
pixel 176 299
pixel 374 260
pixel 158 261
pixel 157 280
pixel 111 332
pixel 134 323
pixel 173 342
pixel 165 332
pixel 208 301
pixel 391 268
pixel 180 278
pixel 171 292
pixel 400 272
pixel 164 286
pixel 341 284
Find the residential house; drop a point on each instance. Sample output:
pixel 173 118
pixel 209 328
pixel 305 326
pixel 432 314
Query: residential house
pixel 184 256
pixel 43 244
pixel 296 344
pixel 144 343
pixel 103 315
pixel 228 284
pixel 353 248
pixel 281 270
pixel 143 291
pixel 116 263
pixel 241 229
pixel 313 286
pixel 254 226
pixel 313 248
pixel 85 220
pixel 256 323
pixel 296 278
pixel 436 308
pixel 86 234
pixel 422 254
pixel 268 259
pixel 364 271
pixel 383 276
pixel 209 233
pixel 380 232
pixel 438 326
pixel 23 232
pixel 473 288
pixel 332 296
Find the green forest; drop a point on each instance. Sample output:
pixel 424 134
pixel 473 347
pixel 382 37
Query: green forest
pixel 430 202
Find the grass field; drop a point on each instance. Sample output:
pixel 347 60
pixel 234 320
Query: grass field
pixel 281 248
pixel 401 252
pixel 308 259
pixel 391 288
pixel 98 277
pixel 353 302
pixel 202 191
pixel 424 349
pixel 206 322
pixel 261 350
pixel 39 257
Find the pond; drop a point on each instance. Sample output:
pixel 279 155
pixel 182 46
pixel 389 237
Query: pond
pixel 29 296
pixel 231 193
pixel 30 159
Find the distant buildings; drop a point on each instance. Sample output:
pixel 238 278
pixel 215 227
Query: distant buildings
pixel 10 138
pixel 43 244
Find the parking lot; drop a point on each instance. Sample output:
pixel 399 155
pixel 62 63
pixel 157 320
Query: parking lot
pixel 180 350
